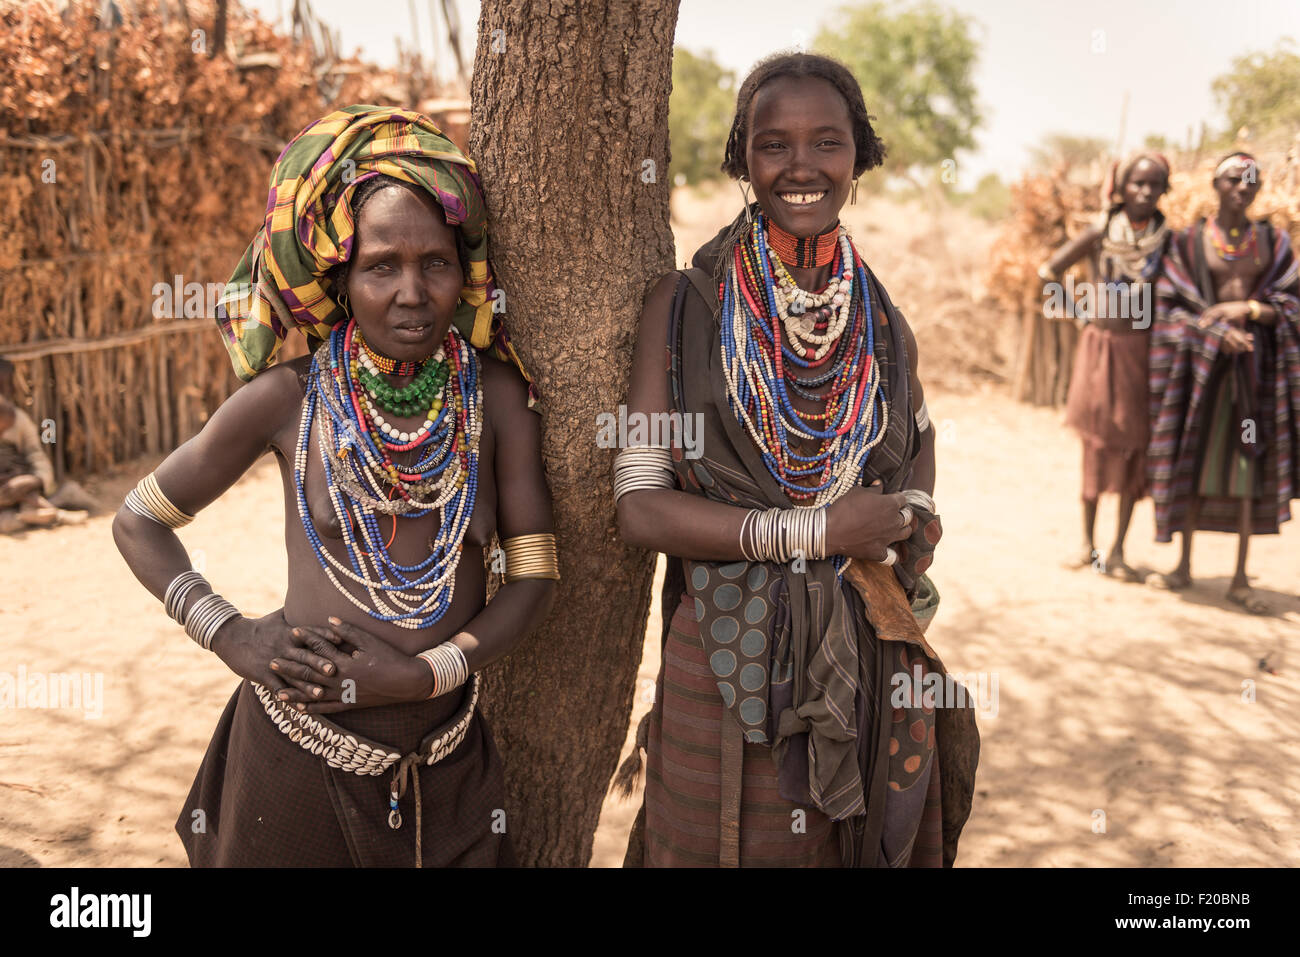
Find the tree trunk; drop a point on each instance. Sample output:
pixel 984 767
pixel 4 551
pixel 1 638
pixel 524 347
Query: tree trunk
pixel 569 130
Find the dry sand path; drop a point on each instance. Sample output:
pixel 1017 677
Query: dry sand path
pixel 1111 697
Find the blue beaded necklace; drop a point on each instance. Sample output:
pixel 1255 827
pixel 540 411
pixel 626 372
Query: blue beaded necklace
pixel 356 457
pixel 755 358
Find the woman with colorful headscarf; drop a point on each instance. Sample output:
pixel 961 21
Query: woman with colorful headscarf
pixel 1107 402
pixel 785 730
pixel 354 738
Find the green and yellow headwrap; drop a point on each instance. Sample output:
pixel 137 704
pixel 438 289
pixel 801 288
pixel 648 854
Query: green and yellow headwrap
pixel 281 283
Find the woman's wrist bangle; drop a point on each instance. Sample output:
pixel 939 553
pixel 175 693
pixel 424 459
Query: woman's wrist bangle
pixel 450 670
pixel 1255 309
pixel 783 534
pixel 205 617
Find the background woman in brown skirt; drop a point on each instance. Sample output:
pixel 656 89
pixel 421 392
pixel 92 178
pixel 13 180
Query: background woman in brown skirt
pixel 1107 402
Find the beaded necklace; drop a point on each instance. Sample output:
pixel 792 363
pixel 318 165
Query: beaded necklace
pixel 767 346
pixel 803 252
pixel 362 478
pixel 1228 251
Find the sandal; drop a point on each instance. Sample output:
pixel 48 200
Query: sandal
pixel 1245 597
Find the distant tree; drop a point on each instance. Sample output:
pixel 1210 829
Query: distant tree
pixel 1057 148
pixel 1157 141
pixel 915 66
pixel 1262 90
pixel 699 115
pixel 990 200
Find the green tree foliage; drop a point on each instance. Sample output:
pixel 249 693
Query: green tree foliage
pixel 1057 148
pixel 1262 90
pixel 700 109
pixel 990 200
pixel 915 66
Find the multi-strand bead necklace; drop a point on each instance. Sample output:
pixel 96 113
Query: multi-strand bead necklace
pixel 356 450
pixel 778 338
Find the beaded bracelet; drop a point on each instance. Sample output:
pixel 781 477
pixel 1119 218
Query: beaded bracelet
pixel 449 667
pixel 642 467
pixel 148 501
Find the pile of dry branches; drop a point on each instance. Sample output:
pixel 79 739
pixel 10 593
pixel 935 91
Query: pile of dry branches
pixel 137 150
pixel 1048 210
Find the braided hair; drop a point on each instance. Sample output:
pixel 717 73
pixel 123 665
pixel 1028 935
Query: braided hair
pixel 870 151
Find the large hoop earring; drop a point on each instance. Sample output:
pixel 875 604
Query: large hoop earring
pixel 853 197
pixel 744 193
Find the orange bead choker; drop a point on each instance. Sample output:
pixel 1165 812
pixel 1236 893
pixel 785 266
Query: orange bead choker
pixel 804 252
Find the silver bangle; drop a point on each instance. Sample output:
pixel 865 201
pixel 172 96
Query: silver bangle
pixel 918 498
pixel 891 556
pixel 922 417
pixel 205 618
pixel 781 534
pixel 450 670
pixel 178 591
pixel 643 467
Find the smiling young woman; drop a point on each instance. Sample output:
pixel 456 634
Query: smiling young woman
pixel 773 739
pixel 402 449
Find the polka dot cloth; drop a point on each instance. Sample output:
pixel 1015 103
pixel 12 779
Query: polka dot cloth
pixel 732 606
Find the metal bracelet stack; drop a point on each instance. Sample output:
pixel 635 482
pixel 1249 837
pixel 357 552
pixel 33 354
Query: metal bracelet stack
pixel 148 501
pixel 178 591
pixel 206 616
pixel 781 534
pixel 922 417
pixel 531 556
pixel 643 467
pixel 449 667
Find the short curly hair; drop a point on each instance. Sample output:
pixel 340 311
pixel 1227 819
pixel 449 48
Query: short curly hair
pixel 868 146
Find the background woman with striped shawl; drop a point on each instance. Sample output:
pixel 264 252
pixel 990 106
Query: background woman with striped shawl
pixel 1225 380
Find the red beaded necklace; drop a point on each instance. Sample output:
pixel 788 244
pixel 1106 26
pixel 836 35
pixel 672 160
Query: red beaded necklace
pixel 385 364
pixel 804 252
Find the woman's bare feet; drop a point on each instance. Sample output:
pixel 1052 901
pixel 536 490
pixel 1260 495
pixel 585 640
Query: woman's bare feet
pixel 1177 580
pixel 1245 596
pixel 1116 567
pixel 1088 557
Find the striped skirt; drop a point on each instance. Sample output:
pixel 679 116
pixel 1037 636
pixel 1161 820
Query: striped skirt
pixel 684 783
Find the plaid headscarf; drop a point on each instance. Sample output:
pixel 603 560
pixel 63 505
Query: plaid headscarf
pixel 281 282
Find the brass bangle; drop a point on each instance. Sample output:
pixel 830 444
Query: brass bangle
pixel 1255 309
pixel 148 501
pixel 531 556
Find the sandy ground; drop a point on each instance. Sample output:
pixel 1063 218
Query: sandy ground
pixel 1112 699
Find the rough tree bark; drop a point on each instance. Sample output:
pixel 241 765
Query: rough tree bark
pixel 569 129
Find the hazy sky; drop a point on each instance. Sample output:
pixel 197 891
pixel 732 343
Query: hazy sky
pixel 1038 72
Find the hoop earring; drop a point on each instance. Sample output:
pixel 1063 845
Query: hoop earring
pixel 853 198
pixel 744 193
